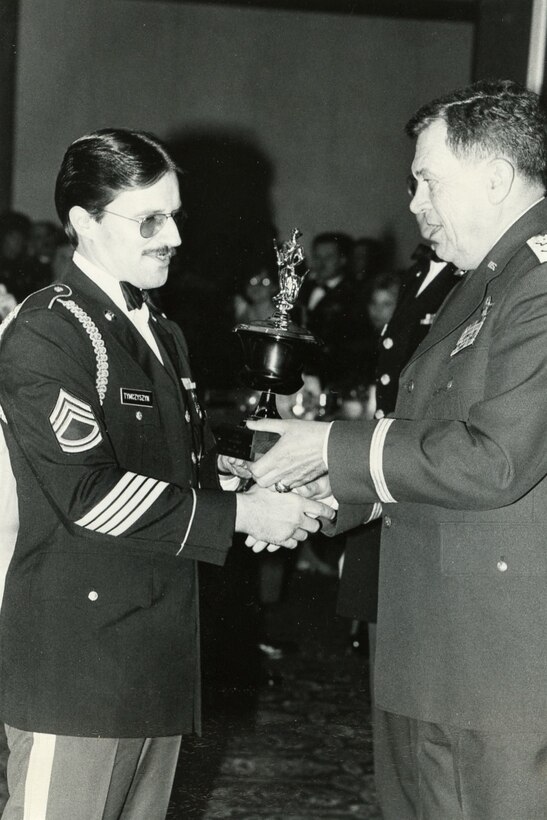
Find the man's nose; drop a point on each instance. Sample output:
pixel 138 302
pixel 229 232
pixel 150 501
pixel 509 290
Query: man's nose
pixel 420 201
pixel 170 233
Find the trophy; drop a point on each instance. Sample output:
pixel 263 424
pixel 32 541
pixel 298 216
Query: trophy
pixel 275 351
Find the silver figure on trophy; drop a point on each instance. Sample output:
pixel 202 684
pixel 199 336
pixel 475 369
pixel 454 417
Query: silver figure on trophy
pixel 275 352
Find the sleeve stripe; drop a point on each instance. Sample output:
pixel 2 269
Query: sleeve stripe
pixel 153 494
pixel 376 513
pixel 138 498
pixel 190 522
pixel 376 460
pixel 107 500
pixel 129 499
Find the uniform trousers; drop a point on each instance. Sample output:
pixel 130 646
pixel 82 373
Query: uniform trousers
pixel 56 777
pixel 428 771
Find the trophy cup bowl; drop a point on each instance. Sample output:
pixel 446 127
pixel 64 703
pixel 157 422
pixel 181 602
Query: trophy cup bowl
pixel 275 352
pixel 274 356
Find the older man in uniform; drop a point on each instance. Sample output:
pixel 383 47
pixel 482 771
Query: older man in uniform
pixel 424 288
pixel 118 488
pixel 461 472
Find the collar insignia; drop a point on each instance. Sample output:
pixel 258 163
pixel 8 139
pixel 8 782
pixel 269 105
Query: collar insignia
pixel 538 244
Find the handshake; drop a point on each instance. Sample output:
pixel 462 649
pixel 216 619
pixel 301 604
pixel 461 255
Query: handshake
pixel 291 495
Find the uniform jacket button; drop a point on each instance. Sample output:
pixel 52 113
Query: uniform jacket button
pixel 93 595
pixel 502 565
pixel 388 343
pixel 410 386
pixel 385 378
pixel 387 521
pixel 379 414
pixel 138 415
pixel 187 416
pixel 194 458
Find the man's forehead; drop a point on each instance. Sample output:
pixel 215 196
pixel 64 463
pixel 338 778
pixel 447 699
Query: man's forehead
pixel 163 196
pixel 431 147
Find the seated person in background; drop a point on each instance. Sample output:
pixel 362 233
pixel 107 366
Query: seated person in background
pixel 14 239
pixel 256 301
pixel 382 301
pixel 368 258
pixel 38 267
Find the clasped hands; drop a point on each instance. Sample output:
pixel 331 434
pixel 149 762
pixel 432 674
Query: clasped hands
pixel 280 518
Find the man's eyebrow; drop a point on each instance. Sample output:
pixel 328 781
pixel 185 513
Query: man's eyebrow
pixel 157 211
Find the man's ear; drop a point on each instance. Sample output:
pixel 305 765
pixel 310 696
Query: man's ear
pixel 500 177
pixel 82 221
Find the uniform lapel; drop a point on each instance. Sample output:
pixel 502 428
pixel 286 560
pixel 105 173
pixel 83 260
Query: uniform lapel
pixel 113 321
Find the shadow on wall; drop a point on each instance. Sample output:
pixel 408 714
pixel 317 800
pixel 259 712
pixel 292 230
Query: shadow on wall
pixel 225 187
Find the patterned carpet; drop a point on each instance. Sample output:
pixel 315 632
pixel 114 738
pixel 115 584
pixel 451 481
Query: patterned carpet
pixel 298 748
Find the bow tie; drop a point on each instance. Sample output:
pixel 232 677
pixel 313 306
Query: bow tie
pixel 134 297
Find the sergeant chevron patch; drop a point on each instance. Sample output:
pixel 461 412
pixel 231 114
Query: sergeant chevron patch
pixel 74 424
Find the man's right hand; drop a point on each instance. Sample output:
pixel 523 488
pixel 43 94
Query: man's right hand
pixel 279 518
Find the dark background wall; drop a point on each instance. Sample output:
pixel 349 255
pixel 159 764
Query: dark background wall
pixel 310 106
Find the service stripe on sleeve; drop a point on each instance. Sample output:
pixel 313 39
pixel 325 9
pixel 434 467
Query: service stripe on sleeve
pixel 189 527
pixel 126 502
pixel 377 460
pixel 376 513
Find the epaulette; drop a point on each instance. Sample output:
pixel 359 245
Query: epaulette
pixel 46 297
pixel 538 244
pixel 60 294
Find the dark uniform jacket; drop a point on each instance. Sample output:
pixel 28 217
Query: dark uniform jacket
pixel 358 589
pixel 118 496
pixel 334 321
pixel 462 613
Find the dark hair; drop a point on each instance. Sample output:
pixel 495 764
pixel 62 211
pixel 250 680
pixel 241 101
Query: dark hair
pixel 491 117
pixel 343 242
pixel 390 280
pixel 98 166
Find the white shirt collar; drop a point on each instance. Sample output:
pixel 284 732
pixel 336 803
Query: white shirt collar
pixel 107 283
pixel 111 286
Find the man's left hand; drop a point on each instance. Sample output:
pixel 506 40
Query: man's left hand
pixel 296 458
pixel 227 465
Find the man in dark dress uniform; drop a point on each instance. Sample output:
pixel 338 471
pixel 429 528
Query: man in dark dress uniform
pixel 118 487
pixel 461 472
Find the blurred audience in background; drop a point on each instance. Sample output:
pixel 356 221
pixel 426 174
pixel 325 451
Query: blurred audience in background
pixel 14 244
pixel 256 300
pixel 27 256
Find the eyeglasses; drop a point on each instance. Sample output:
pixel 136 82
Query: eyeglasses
pixel 411 186
pixel 151 225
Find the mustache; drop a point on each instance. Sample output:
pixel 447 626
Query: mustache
pixel 165 249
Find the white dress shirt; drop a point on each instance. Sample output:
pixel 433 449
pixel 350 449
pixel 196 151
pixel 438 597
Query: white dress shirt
pixel 139 317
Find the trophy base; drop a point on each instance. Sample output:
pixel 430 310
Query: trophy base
pixel 258 380
pixel 240 442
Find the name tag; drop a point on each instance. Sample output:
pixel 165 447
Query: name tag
pixel 137 398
